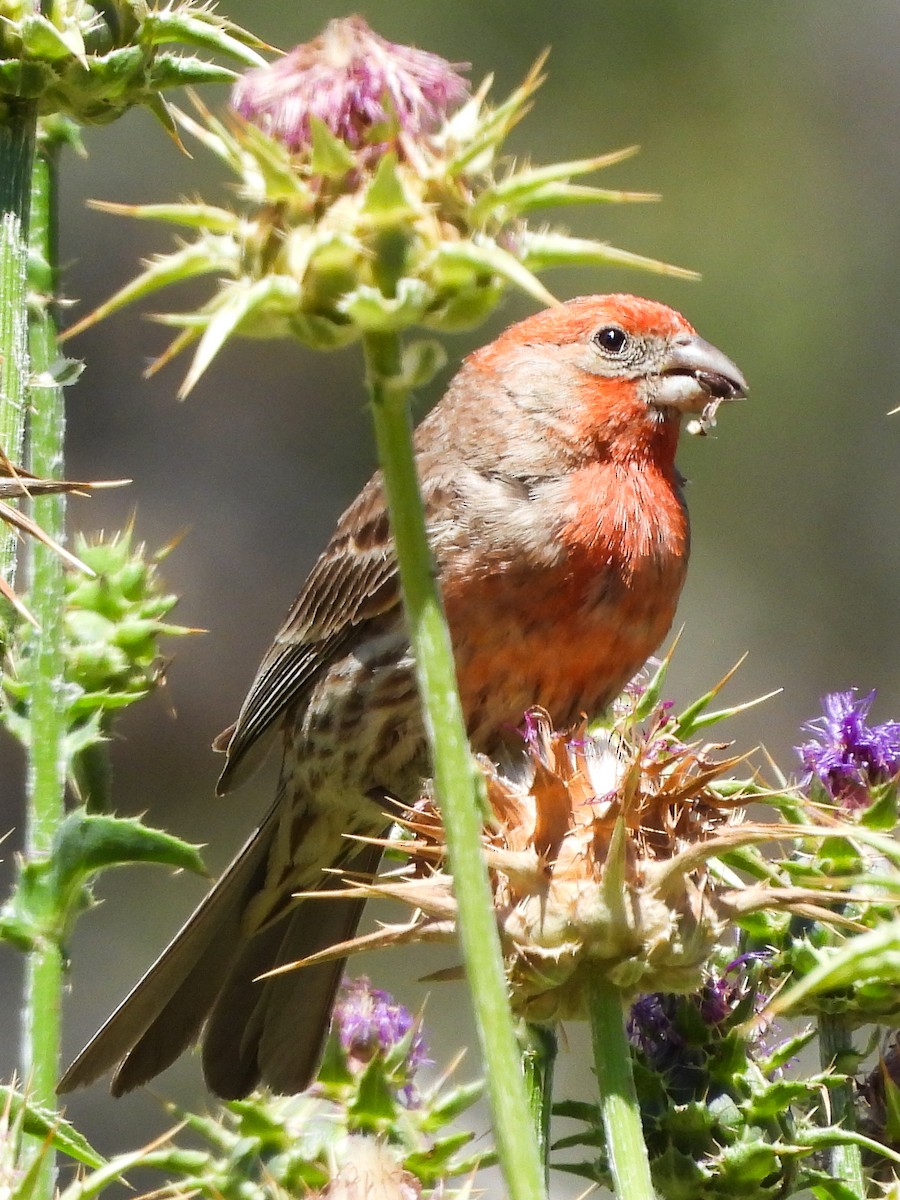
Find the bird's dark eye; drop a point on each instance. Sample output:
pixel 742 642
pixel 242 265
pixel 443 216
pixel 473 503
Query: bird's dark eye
pixel 611 338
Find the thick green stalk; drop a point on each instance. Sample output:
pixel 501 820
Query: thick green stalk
pixel 46 759
pixel 18 123
pixel 845 1161
pixel 454 773
pixel 619 1109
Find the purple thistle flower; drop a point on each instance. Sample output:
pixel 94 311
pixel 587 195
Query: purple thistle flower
pixel 848 756
pixel 355 82
pixel 368 1021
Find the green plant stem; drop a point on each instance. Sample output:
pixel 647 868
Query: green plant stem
pixel 845 1161
pixel 454 773
pixel 46 752
pixel 619 1109
pixel 539 1046
pixel 18 123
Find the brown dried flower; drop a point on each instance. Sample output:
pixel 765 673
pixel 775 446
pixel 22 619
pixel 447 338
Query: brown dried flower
pixel 602 855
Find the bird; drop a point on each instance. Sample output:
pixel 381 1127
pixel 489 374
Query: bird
pixel 558 528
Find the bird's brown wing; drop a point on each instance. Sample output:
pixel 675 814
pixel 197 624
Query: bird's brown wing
pixel 354 580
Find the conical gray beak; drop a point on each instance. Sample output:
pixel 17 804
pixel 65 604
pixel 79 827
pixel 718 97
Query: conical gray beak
pixel 693 372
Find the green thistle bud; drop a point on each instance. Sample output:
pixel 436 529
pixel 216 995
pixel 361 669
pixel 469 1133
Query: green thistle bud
pixel 112 624
pixel 374 198
pixel 92 62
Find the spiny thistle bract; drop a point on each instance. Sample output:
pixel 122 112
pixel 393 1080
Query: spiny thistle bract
pixel 374 197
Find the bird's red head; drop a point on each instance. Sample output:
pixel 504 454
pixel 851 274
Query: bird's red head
pixel 615 368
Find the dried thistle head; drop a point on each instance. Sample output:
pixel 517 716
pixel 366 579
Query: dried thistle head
pixel 604 851
pixel 599 864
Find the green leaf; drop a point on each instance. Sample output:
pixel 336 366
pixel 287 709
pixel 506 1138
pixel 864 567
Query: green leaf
pixel 208 217
pixel 41 39
pixel 230 309
pixel 45 1124
pixel 487 257
pixel 777 1097
pixel 188 1164
pixel 871 956
pixel 437 1161
pixel 826 1187
pixel 62 372
pixel 174 70
pixel 652 693
pixel 882 812
pixel 448 1107
pixel 86 843
pixel 370 310
pixel 421 361
pixel 788 1050
pixel 27 80
pixel 375 1104
pixel 334 1071
pixel 200 258
pixel 577 1110
pixel 521 183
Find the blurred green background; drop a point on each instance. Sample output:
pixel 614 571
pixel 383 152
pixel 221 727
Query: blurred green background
pixel 773 132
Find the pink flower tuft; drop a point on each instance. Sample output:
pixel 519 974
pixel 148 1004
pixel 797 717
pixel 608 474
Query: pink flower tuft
pixel 354 81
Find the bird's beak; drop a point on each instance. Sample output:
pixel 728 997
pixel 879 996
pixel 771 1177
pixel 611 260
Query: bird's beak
pixel 693 373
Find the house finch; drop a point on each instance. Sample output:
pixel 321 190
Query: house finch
pixel 557 525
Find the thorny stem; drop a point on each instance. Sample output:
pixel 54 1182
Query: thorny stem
pixel 18 123
pixel 454 774
pixel 46 752
pixel 621 1115
pixel 845 1160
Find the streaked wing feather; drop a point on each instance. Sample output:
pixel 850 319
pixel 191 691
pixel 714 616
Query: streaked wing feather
pixel 354 580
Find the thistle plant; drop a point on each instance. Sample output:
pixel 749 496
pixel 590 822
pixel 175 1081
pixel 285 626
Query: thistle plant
pixel 369 1124
pixel 62 64
pixel 610 876
pixel 374 198
pixel 627 877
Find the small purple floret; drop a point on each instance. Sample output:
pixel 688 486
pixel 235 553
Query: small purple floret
pixel 848 756
pixel 355 82
pixel 369 1021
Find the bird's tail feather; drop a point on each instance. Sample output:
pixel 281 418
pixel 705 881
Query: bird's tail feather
pixel 270 1031
pixel 163 1012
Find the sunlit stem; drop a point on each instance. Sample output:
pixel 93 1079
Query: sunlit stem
pixel 456 782
pixel 18 123
pixel 46 780
pixel 619 1108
